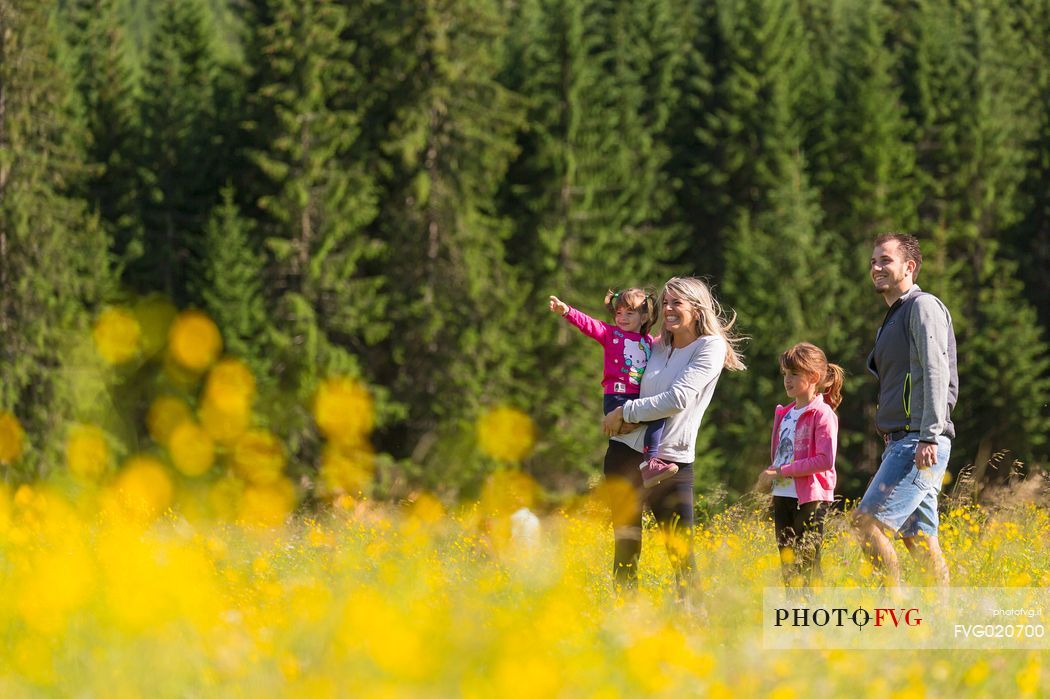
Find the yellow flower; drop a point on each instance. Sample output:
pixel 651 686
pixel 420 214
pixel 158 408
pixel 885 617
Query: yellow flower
pixel 505 492
pixel 87 453
pixel 977 673
pixel 191 448
pixel 783 691
pixel 258 457
pixel 267 505
pixel 224 495
pixel 135 579
pixel 224 427
pixel 506 434
pixel 154 315
pixel 12 438
pixel 522 674
pixel 194 341
pixel 343 410
pixel 427 509
pixel 165 414
pixel 62 581
pixel 116 335
pixel 1028 677
pixel 289 667
pixel 346 469
pixel 178 376
pixel 33 658
pixel 230 386
pixel 647 659
pixel 374 624
pixel 143 488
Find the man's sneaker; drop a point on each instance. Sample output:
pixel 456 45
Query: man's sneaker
pixel 655 470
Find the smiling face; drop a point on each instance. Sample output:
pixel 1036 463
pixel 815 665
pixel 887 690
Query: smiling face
pixel 679 316
pixel 891 273
pixel 629 319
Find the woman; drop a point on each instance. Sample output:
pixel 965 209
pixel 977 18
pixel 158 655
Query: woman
pixel 678 384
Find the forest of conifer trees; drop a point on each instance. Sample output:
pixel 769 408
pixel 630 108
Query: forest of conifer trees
pixel 391 190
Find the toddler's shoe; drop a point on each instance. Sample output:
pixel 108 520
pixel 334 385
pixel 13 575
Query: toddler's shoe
pixel 655 470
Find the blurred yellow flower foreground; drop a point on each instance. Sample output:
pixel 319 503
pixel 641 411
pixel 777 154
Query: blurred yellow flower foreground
pixel 100 600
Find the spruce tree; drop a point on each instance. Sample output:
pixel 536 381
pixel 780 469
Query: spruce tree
pixel 178 163
pixel 970 98
pixel 96 40
pixel 589 193
pixel 870 189
pixel 1011 355
pixel 689 140
pixel 755 203
pixel 821 23
pixel 230 283
pixel 314 200
pixel 777 280
pixel 1029 239
pixel 445 128
pixel 53 254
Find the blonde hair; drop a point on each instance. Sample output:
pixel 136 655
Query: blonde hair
pixel 633 299
pixel 810 359
pixel 710 318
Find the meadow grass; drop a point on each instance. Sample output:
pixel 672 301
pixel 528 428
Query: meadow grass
pixel 366 599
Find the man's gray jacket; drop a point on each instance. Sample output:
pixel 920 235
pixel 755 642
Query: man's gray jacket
pixel 915 362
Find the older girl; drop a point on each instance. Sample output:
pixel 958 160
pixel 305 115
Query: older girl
pixel 803 446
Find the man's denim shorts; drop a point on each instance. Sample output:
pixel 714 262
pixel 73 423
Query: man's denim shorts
pixel 903 497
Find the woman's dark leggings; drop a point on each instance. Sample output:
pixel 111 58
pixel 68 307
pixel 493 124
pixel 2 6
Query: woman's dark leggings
pixel 800 530
pixel 671 503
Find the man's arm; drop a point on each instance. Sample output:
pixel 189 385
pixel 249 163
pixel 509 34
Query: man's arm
pixel 929 329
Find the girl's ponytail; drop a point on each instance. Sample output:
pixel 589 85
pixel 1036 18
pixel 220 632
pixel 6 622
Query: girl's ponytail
pixel 832 386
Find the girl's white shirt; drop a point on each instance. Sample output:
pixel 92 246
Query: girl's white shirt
pixel 785 487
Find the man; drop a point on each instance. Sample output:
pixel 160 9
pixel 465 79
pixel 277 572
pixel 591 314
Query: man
pixel 915 363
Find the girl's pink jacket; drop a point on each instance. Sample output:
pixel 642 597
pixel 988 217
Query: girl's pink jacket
pixel 816 442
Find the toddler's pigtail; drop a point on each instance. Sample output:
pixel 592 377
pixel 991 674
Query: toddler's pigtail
pixel 649 307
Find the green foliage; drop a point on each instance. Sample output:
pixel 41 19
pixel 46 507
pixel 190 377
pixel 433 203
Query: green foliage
pixel 589 192
pixel 392 190
pixel 453 302
pixel 867 187
pixel 1009 354
pixel 758 198
pixel 230 283
pixel 96 40
pixel 1029 238
pixel 971 108
pixel 177 161
pixel 775 282
pixel 53 261
pixel 314 199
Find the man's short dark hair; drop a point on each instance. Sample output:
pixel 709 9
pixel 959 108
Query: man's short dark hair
pixel 909 245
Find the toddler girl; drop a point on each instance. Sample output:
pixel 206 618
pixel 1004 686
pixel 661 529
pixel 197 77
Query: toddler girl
pixel 628 346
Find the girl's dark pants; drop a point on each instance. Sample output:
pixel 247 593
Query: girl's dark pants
pixel 800 529
pixel 671 503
